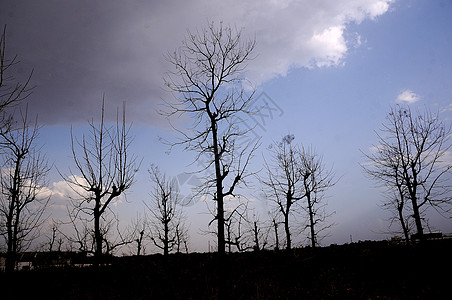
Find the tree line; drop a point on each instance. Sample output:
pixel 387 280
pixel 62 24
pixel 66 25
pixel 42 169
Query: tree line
pixel 208 84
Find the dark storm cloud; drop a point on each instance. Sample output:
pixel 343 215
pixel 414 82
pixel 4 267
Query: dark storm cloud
pixel 81 49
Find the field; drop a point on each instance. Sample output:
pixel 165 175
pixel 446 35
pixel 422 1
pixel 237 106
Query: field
pixel 364 270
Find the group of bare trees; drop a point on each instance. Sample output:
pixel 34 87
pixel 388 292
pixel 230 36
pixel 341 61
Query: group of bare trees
pixel 296 180
pixel 103 159
pixel 104 170
pixel 411 159
pixel 209 86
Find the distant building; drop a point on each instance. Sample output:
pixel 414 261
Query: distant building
pixel 427 236
pixel 32 260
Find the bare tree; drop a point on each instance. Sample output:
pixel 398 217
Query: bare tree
pixel 168 230
pixel 181 237
pixel 284 181
pixel 12 92
pixel 139 231
pixel 410 161
pixel 237 229
pixel 54 237
pixel 236 224
pixel 316 180
pixel 106 170
pixel 260 233
pixel 22 182
pixel 208 80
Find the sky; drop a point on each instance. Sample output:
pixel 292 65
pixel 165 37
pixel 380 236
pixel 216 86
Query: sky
pixel 329 69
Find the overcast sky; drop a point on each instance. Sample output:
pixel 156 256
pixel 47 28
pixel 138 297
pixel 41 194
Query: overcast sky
pixel 331 68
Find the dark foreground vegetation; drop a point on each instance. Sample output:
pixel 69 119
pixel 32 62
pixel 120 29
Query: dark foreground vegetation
pixel 364 270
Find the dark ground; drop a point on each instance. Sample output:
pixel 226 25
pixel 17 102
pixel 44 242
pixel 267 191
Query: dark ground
pixel 364 270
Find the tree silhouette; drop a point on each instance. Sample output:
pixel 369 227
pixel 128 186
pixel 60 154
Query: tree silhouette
pixel 284 181
pixel 22 182
pixel 106 170
pixel 167 228
pixel 316 180
pixel 208 83
pixel 410 162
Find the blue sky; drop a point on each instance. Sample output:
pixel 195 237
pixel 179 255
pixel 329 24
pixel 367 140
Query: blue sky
pixel 334 68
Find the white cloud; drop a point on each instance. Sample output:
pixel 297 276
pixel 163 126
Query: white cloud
pixel 61 192
pixel 447 108
pixel 294 34
pixel 407 97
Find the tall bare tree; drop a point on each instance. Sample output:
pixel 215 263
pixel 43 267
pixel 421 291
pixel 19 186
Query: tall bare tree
pixel 410 161
pixel 168 230
pixel 316 180
pixel 284 181
pixel 12 92
pixel 22 182
pixel 208 83
pixel 104 170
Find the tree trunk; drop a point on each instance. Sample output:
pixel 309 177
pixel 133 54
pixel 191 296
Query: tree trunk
pixel 286 227
pixel 219 187
pixel 311 220
pixel 256 237
pixel 166 241
pixel 413 195
pixel 10 255
pixel 9 263
pixel 275 225
pixel 404 227
pixel 417 220
pixel 97 234
pixel 416 214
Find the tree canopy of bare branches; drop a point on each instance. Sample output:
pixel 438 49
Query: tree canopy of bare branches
pixel 22 182
pixel 104 170
pixel 12 92
pixel 284 181
pixel 208 84
pixel 316 180
pixel 168 230
pixel 410 161
pixel 296 174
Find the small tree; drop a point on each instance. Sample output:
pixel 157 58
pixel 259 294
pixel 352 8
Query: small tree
pixel 284 181
pixel 107 171
pixel 168 230
pixel 139 231
pixel 259 233
pixel 236 225
pixel 316 180
pixel 22 182
pixel 54 237
pixel 208 79
pixel 410 162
